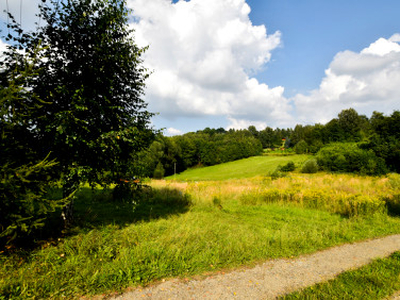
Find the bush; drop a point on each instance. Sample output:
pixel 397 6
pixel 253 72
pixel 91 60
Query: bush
pixel 289 167
pixel 348 157
pixel 159 171
pixel 301 147
pixel 277 174
pixel 310 166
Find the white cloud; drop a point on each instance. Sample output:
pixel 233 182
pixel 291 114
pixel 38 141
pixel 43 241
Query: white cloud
pixel 3 46
pixel 204 54
pixel 367 81
pixel 173 131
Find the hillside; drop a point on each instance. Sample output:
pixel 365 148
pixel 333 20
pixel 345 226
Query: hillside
pixel 244 168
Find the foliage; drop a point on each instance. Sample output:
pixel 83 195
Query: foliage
pixel 281 171
pixel 385 139
pixel 301 147
pixel 159 171
pixel 289 167
pixel 208 147
pixel 348 157
pixel 204 148
pixel 310 166
pixel 25 176
pixel 24 202
pixel 94 79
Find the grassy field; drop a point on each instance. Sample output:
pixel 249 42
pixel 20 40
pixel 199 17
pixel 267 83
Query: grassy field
pixel 245 168
pixel 185 228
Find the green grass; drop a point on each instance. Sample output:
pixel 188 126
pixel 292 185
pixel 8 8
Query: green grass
pixel 181 229
pixel 377 280
pixel 105 255
pixel 245 168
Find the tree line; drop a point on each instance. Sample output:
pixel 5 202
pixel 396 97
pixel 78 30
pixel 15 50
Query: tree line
pixel 349 137
pixel 207 147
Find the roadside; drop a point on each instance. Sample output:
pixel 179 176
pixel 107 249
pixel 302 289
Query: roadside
pixel 273 278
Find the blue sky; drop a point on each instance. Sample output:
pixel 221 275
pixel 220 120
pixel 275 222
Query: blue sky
pixel 277 63
pixel 313 31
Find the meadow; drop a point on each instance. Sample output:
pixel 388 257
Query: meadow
pixel 244 168
pixel 183 228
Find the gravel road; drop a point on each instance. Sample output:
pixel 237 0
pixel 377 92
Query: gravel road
pixel 272 278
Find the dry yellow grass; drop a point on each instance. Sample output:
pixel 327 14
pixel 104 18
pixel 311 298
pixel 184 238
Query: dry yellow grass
pixel 346 194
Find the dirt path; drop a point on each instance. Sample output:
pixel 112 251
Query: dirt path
pixel 273 278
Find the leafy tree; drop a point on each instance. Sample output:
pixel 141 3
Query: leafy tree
pixel 301 147
pixel 349 157
pixel 333 132
pixel 253 130
pixel 93 76
pixel 350 123
pixel 297 134
pixel 267 137
pixel 385 139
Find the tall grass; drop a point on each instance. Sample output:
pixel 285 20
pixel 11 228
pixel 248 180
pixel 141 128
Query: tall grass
pixel 345 194
pixel 188 228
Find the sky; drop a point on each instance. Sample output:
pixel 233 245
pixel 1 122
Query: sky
pixel 276 63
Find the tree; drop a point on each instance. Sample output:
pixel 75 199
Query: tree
pixel 25 177
pixel 267 137
pixel 350 123
pixel 385 140
pixel 93 76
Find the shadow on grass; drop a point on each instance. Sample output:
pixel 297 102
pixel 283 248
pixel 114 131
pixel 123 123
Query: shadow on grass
pixel 94 208
pixel 393 205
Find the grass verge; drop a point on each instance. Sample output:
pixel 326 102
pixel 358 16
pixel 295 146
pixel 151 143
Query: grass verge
pixel 377 280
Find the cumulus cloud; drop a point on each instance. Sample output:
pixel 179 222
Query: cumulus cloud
pixel 204 54
pixel 367 81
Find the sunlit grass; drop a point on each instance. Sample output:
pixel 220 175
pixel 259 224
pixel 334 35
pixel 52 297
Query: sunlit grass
pixel 377 280
pixel 245 168
pixel 188 228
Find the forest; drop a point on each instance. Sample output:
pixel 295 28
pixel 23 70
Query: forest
pixel 349 143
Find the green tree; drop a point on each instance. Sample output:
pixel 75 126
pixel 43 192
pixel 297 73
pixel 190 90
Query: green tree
pixel 385 139
pixel 267 137
pixel 350 123
pixel 25 176
pixel 301 147
pixel 349 157
pixel 93 76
